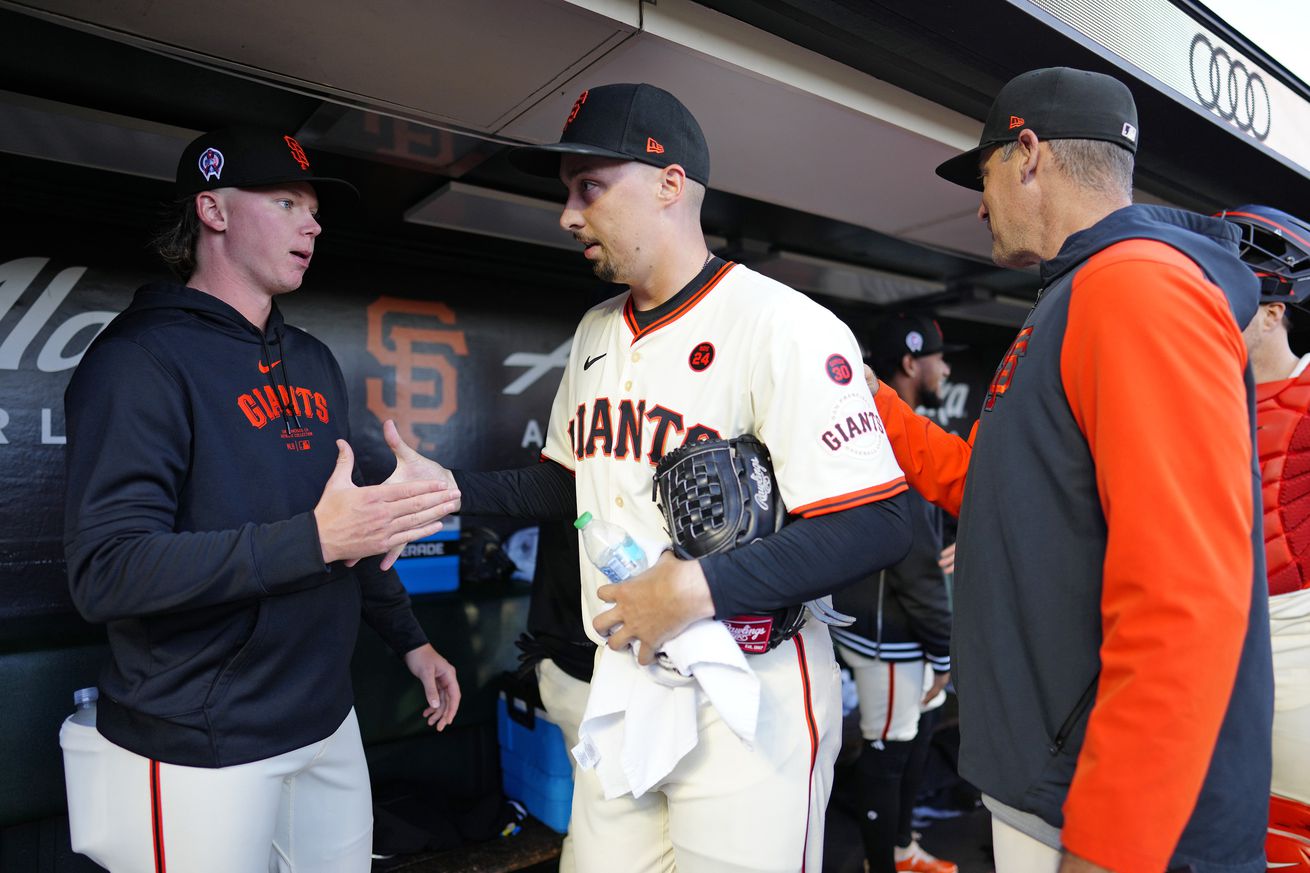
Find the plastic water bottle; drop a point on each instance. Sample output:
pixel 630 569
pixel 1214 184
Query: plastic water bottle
pixel 610 548
pixel 86 780
pixel 84 703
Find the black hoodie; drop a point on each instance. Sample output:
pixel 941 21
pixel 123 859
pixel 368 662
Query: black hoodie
pixel 903 613
pixel 197 450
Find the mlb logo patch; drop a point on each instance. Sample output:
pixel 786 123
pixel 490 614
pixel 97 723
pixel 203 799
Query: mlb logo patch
pixel 211 164
pixel 1130 132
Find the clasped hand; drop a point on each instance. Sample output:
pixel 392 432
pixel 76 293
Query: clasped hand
pixel 412 467
pixel 355 522
pixel 655 606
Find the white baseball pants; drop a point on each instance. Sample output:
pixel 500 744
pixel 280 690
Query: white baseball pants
pixel 726 808
pixel 309 810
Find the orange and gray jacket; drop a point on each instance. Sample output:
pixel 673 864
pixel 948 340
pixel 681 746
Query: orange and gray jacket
pixel 1111 641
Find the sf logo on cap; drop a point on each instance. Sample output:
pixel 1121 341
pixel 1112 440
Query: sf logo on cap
pixel 577 104
pixel 297 152
pixel 211 164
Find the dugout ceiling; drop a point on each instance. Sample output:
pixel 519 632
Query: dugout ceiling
pixel 817 168
pixel 825 117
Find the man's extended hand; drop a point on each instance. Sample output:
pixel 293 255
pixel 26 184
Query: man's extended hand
pixel 947 559
pixel 871 379
pixel 939 682
pixel 440 688
pixel 356 522
pixel 413 467
pixel 654 606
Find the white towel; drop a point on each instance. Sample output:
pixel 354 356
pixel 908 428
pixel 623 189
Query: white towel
pixel 641 721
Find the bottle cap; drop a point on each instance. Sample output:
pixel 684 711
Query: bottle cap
pixel 583 520
pixel 83 696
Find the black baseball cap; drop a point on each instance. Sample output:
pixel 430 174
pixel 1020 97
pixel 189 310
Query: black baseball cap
pixel 1054 103
pixel 244 157
pixel 916 335
pixel 628 122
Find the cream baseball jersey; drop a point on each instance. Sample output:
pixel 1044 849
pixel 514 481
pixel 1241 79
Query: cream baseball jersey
pixel 743 354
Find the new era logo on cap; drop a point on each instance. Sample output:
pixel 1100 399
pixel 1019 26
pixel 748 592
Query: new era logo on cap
pixel 1015 121
pixel 652 147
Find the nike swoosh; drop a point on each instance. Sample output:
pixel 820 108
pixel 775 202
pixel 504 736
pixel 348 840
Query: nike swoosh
pixel 587 364
pixel 270 367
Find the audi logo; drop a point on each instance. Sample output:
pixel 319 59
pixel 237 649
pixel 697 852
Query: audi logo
pixel 1228 87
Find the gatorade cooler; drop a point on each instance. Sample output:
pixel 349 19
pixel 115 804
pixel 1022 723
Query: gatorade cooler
pixel 431 564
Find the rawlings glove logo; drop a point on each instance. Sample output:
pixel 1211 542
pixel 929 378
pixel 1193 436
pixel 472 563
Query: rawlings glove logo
pixel 763 484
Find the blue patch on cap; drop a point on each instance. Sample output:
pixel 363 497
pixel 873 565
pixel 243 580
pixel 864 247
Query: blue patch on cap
pixel 211 163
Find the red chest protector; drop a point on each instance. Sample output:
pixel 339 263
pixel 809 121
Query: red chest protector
pixel 1282 413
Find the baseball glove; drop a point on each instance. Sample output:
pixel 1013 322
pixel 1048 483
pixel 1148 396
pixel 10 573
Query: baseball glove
pixel 716 495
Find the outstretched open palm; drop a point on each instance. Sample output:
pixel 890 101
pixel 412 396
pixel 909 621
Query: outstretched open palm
pixel 413 467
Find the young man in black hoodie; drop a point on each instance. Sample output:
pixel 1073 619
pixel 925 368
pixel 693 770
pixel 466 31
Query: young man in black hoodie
pixel 212 524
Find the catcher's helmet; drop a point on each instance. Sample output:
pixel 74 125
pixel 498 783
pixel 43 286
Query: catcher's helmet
pixel 1276 246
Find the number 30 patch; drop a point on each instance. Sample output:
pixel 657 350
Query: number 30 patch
pixel 839 370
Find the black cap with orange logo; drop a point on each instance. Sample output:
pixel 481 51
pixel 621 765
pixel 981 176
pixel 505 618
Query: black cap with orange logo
pixel 627 122
pixel 244 157
pixel 1054 103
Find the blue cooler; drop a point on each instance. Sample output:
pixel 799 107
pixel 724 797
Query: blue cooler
pixel 432 564
pixel 534 763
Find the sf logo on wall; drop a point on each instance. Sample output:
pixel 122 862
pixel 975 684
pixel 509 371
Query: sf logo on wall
pixel 413 338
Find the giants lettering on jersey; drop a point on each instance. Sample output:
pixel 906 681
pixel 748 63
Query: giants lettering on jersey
pixel 855 425
pixel 261 405
pixel 631 429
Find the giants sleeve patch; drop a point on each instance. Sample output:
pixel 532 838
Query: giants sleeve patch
pixel 855 427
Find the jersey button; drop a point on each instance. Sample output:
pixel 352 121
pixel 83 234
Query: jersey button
pixel 619 502
pixel 636 356
pixel 627 386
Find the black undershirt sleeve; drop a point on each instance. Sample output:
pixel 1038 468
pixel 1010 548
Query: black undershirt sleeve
pixel 545 491
pixel 809 558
